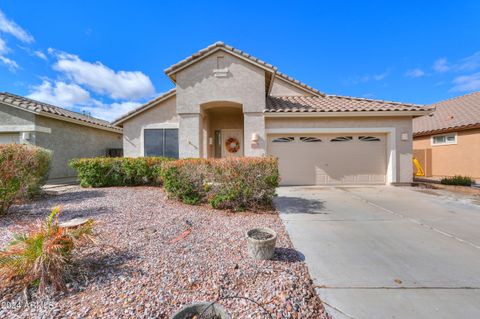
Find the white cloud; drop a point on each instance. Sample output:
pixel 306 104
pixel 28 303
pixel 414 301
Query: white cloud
pixel 381 76
pixel 40 55
pixel 109 112
pixel 73 96
pixel 466 83
pixel 10 27
pixel 367 78
pixel 415 73
pixel 3 46
pixel 102 79
pixel 11 65
pixel 59 93
pixel 441 65
pixel 470 63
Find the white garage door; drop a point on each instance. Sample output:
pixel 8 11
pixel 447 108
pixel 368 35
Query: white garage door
pixel 9 138
pixel 330 159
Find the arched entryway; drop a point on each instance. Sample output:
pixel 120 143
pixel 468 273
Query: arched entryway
pixel 222 129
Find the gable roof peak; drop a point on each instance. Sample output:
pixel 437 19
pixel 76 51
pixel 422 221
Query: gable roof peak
pixel 220 45
pixel 171 70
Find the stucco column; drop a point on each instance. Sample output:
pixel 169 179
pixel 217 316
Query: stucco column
pixel 254 122
pixel 189 135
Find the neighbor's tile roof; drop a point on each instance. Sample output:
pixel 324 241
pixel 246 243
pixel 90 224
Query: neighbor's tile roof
pixel 461 112
pixel 44 108
pixel 334 103
pixel 170 70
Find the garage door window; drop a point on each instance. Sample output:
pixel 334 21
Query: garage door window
pixel 342 139
pixel 161 142
pixel 283 139
pixel 309 139
pixel 369 139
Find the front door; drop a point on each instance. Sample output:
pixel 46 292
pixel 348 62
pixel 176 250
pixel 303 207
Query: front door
pixel 232 143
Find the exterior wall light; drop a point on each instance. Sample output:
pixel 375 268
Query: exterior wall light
pixel 404 136
pixel 255 138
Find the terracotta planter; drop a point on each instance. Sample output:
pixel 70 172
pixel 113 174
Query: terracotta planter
pixel 206 309
pixel 261 243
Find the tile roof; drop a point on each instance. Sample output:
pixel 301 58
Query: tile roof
pixel 48 109
pixel 461 112
pixel 334 103
pixel 220 45
pixel 145 106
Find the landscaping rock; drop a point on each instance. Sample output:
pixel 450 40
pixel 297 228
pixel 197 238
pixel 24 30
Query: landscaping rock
pixel 133 272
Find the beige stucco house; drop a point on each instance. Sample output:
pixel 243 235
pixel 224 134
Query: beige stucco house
pixel 447 142
pixel 67 134
pixel 227 103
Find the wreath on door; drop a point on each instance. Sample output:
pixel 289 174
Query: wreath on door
pixel 232 145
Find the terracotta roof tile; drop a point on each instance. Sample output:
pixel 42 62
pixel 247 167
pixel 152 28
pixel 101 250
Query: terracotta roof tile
pixel 458 113
pixel 40 107
pixel 335 103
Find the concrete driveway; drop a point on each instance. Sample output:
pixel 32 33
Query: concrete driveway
pixel 387 252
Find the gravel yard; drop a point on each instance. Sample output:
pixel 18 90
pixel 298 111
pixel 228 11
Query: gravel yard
pixel 142 266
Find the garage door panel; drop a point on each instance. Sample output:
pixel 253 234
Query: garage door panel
pixel 9 138
pixel 336 160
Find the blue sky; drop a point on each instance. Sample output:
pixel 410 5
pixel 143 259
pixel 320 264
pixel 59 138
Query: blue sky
pixel 107 57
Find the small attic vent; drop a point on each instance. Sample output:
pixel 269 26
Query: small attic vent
pixel 221 71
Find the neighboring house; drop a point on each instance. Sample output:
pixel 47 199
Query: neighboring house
pixel 228 103
pixel 447 142
pixel 68 134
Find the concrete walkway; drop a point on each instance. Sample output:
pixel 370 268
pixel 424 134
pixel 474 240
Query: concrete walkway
pixel 387 252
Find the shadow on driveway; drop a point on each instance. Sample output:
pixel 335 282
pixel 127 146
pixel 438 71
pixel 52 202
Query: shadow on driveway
pixel 297 205
pixel 289 255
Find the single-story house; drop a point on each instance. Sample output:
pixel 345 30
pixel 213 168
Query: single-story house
pixel 68 134
pixel 228 103
pixel 447 142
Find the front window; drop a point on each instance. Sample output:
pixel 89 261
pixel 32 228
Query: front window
pixel 161 142
pixel 444 139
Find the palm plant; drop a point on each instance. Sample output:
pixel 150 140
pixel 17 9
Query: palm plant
pixel 41 255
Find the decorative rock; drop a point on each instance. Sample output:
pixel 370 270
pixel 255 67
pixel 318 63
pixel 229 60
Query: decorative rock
pixel 156 272
pixel 73 222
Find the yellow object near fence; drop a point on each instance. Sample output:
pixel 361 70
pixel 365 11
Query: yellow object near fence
pixel 419 168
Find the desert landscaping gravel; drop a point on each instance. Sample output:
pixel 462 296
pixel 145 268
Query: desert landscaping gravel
pixel 154 255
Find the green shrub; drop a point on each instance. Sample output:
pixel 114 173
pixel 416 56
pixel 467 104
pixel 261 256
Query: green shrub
pixel 40 256
pixel 118 171
pixel 23 171
pixel 185 180
pixel 457 180
pixel 243 183
pixel 235 184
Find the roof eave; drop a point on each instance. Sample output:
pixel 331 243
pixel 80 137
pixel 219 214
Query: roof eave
pixel 145 107
pixel 172 70
pixel 348 113
pixel 447 130
pixel 79 122
pixel 66 119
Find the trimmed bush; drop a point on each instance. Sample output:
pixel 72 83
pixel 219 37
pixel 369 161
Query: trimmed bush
pixel 23 171
pixel 185 180
pixel 243 183
pixel 118 171
pixel 457 180
pixel 236 184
